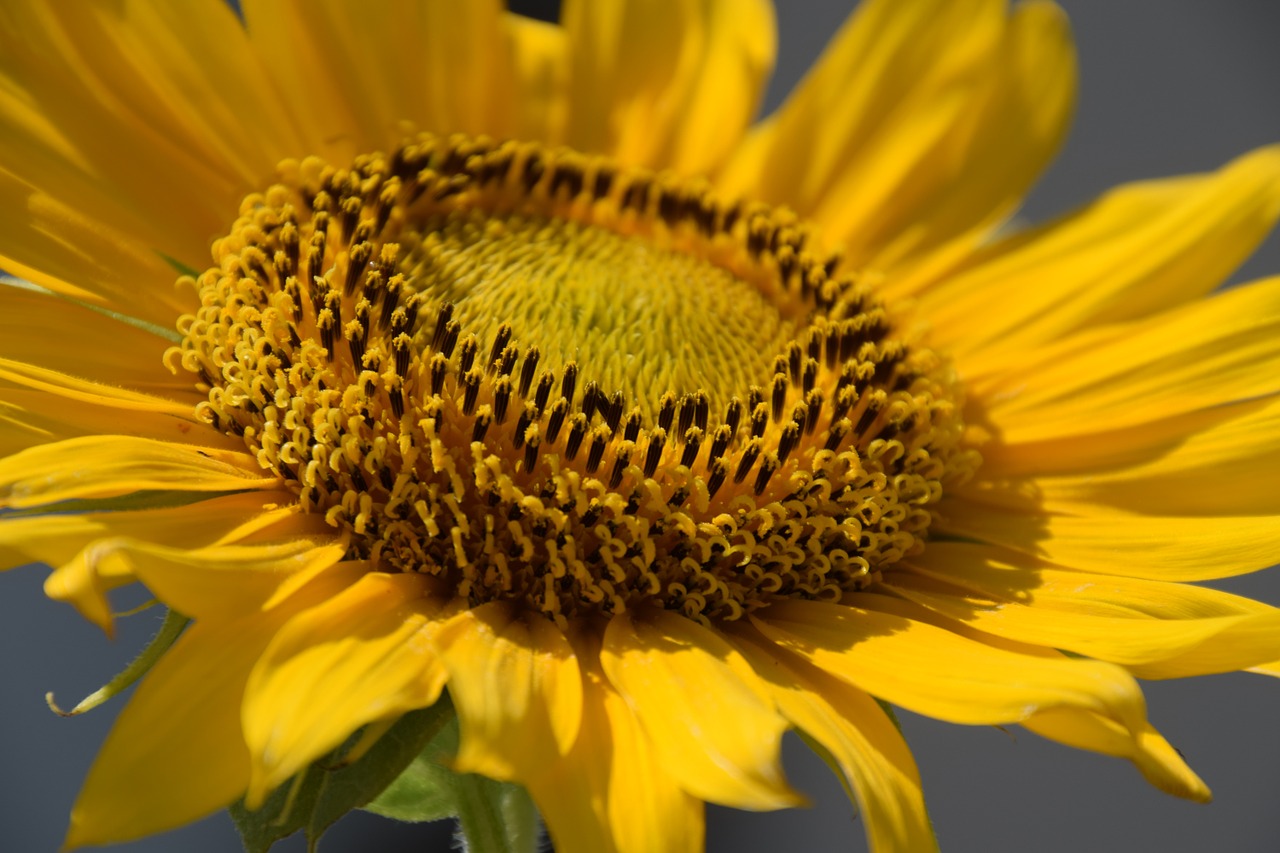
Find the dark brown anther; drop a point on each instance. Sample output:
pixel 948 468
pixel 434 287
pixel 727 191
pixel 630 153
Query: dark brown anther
pixel 357 258
pixel 294 290
pixel 402 346
pixel 720 441
pixel 350 215
pixel 569 382
pixel 527 417
pixel 631 427
pixel 759 420
pixel 701 410
pixel 800 414
pixel 599 438
pixel 559 409
pixel 442 325
pixel 868 416
pixel 657 441
pixel 768 465
pixel 836 435
pixel 527 370
pixel 471 385
pixel 748 459
pixel 591 398
pixel 290 240
pixel 813 400
pixel 327 325
pixel 832 348
pixel 533 171
pixel 678 497
pixel 620 463
pixel 810 376
pixel 685 420
pixel 692 442
pixel 666 410
pixel 719 470
pixel 396 396
pixel 543 392
pixel 451 332
pixel 733 415
pixel 595 509
pixel 845 398
pixel 507 362
pixel 779 395
pixel 500 341
pixel 399 322
pixel 501 398
pixel 788 440
pixel 467 355
pixel 412 306
pixel 531 451
pixel 795 360
pixel 390 299
pixel 481 426
pixel 577 432
pixel 358 480
pixel 755 397
pixel 386 478
pixel 439 369
pixel 612 412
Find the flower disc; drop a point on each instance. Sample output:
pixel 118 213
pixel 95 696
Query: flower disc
pixel 547 379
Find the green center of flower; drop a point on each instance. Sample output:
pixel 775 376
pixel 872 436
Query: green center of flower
pixel 544 378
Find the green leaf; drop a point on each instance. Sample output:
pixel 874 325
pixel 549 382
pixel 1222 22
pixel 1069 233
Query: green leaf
pixel 424 791
pixel 355 785
pixel 495 817
pixel 317 797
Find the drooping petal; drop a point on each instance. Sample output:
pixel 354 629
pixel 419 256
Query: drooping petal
pixel 709 717
pixel 540 58
pixel 939 673
pixel 1122 620
pixel 516 685
pixel 1159 762
pixel 360 657
pixel 868 751
pixel 176 753
pixel 221 581
pixel 665 84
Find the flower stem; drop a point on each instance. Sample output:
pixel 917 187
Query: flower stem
pixel 494 817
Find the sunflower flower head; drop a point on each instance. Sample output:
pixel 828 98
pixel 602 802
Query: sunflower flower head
pixel 545 433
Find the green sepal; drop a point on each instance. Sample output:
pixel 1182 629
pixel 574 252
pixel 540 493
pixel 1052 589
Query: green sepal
pixel 424 791
pixel 494 817
pixel 318 796
pixel 172 627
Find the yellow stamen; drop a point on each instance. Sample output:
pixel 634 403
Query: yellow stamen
pixel 548 379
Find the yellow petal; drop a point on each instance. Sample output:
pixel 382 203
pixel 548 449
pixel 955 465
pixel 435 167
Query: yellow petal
pixel 868 751
pixel 540 59
pixel 942 674
pixel 517 688
pixel 176 752
pixel 1137 250
pixel 1115 544
pixel 611 792
pixel 1217 351
pixel 106 466
pixel 64 542
pixel 352 74
pixel 1159 762
pixel 141 103
pixel 666 84
pixel 1226 463
pixel 358 658
pixel 1121 620
pixel 921 125
pixel 221 581
pixel 709 717
pixel 42 328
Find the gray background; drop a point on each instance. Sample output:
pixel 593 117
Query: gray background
pixel 1168 86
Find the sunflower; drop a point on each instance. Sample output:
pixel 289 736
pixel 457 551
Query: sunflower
pixel 511 363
